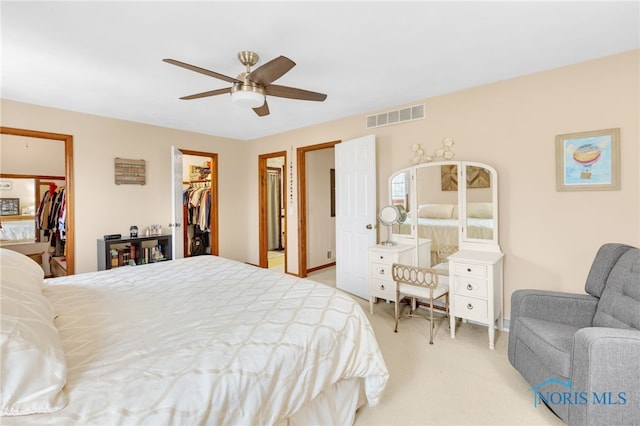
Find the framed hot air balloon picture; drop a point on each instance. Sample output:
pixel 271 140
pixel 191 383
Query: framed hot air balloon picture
pixel 588 161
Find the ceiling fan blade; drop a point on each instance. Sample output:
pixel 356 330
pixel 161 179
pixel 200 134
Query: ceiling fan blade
pixel 208 93
pixel 271 71
pixel 262 110
pixel 293 93
pixel 202 70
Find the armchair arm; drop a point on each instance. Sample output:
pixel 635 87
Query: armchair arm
pixel 606 365
pixel 565 308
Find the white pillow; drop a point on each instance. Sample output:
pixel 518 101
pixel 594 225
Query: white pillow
pixel 480 210
pixel 33 370
pixel 10 259
pixel 436 211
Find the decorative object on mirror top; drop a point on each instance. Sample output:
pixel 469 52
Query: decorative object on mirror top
pixel 444 153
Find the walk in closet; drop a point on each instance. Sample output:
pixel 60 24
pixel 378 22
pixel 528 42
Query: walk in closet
pixel 196 204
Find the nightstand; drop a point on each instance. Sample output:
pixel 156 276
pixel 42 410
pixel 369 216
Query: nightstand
pixel 475 283
pixel 381 257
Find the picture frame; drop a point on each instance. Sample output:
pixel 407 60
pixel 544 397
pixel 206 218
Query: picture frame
pixel 588 161
pixel 9 206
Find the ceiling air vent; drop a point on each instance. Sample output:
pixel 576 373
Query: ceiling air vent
pixel 397 116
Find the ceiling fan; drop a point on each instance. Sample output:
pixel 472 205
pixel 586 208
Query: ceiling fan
pixel 250 87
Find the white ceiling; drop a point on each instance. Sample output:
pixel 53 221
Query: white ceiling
pixel 105 58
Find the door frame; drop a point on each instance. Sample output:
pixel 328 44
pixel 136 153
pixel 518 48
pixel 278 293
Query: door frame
pixel 213 218
pixel 68 176
pixel 302 201
pixel 263 260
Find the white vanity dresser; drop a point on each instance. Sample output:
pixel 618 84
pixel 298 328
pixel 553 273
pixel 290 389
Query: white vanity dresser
pixel 452 205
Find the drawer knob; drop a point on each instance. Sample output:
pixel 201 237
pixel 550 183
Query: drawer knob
pixel 469 306
pixel 469 287
pixel 381 271
pixel 382 287
pixel 468 269
pixel 381 257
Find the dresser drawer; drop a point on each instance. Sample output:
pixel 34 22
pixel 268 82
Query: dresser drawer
pixel 470 286
pixel 471 308
pixel 382 257
pixel 383 290
pixel 469 269
pixel 381 271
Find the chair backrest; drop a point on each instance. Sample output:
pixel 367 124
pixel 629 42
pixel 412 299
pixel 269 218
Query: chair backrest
pixel 616 281
pixel 425 277
pixel 606 258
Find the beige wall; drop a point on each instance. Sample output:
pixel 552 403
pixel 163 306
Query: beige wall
pixel 321 227
pixel 102 207
pixel 549 238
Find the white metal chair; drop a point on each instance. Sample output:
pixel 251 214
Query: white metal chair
pixel 419 283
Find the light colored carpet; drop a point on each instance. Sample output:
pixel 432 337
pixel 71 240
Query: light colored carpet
pixel 275 260
pixel 452 382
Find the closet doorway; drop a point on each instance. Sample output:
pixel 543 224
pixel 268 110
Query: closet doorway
pixel 199 203
pixel 320 254
pixel 272 210
pixel 25 139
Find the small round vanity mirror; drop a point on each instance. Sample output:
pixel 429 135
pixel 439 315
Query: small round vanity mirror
pixel 389 216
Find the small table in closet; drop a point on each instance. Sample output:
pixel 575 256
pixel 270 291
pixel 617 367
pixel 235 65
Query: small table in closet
pixel 58 266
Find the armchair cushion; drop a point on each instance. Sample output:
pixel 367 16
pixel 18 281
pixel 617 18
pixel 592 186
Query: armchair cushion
pixel 551 342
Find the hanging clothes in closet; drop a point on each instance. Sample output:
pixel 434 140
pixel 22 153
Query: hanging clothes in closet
pixel 197 200
pixel 51 218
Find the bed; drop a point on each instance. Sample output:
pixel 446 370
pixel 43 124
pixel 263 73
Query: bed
pixel 201 340
pixel 439 223
pixel 15 230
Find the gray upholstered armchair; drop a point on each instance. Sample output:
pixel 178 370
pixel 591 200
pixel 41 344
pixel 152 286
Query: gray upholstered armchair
pixel 581 352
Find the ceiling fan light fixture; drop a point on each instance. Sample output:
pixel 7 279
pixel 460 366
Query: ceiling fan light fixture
pixel 250 88
pixel 247 96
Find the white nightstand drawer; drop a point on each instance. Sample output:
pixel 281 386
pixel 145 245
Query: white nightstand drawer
pixel 471 286
pixel 381 271
pixel 469 269
pixel 379 256
pixel 383 290
pixel 471 308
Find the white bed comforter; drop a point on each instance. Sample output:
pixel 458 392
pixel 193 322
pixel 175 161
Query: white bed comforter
pixel 18 230
pixel 204 340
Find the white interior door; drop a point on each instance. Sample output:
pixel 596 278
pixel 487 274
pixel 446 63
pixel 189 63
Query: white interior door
pixel 176 202
pixel 356 191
